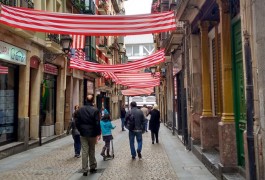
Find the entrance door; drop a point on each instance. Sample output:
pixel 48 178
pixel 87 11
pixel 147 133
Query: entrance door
pixel 239 91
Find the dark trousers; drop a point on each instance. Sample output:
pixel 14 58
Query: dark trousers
pixel 154 135
pixel 77 144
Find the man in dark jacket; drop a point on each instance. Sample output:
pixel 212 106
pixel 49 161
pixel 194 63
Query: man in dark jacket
pixel 138 129
pixel 122 116
pixel 88 124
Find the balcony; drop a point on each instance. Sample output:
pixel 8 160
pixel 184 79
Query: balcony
pixel 89 7
pixel 103 7
pixel 116 5
pixel 102 46
pixel 109 54
pixel 23 3
pixel 53 42
pixel 79 5
pixel 173 40
pixel 27 4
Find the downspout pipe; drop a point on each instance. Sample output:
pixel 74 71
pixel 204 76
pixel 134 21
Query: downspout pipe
pixel 250 108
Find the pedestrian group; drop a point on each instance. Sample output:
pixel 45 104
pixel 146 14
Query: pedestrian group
pixel 88 124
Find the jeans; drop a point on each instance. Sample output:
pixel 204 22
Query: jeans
pixel 77 144
pixel 145 125
pixel 88 150
pixel 139 140
pixel 122 123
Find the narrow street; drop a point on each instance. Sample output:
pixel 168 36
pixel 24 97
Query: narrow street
pixel 166 160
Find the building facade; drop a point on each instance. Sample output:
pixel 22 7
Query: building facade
pixel 218 80
pixel 38 91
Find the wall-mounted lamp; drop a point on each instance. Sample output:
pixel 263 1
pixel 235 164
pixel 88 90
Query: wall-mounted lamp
pixel 153 70
pixel 65 42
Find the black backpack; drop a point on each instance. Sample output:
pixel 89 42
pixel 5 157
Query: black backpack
pixel 130 122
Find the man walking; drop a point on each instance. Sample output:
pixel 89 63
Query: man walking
pixel 145 111
pixel 136 116
pixel 88 124
pixel 122 116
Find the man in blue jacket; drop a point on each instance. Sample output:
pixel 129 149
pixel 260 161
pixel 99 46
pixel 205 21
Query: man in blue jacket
pixel 88 124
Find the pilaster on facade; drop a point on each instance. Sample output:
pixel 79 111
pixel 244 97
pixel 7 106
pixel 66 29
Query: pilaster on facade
pixel 206 78
pixel 226 62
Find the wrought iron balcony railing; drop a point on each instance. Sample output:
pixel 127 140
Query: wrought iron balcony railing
pixel 23 3
pixel 27 4
pixel 9 2
pixel 53 37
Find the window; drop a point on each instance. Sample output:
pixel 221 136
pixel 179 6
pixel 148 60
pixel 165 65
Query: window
pixel 90 50
pixel 7 104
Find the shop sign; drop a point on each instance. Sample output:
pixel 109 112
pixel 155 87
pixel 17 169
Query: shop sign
pixel 50 69
pixel 12 54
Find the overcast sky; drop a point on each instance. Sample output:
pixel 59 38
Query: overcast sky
pixel 137 6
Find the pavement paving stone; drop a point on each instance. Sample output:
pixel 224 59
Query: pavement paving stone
pixel 167 160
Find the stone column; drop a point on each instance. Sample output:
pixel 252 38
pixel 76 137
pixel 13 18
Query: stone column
pixel 60 98
pixel 23 102
pixel 206 76
pixel 208 123
pixel 68 101
pixel 227 134
pixel 196 86
pixel 35 102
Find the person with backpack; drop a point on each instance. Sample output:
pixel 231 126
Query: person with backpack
pixel 106 127
pixel 134 122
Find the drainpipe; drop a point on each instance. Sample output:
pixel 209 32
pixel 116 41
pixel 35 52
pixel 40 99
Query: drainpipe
pixel 250 107
pixel 173 92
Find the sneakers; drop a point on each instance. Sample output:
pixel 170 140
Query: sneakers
pixel 139 154
pixel 77 156
pixel 85 174
pixel 133 157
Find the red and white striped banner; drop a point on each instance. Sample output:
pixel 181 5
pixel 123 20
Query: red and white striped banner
pixel 3 70
pixel 148 61
pixel 78 41
pixel 137 91
pixel 90 25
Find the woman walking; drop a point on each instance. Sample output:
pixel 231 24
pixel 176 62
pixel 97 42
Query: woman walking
pixel 75 133
pixel 154 123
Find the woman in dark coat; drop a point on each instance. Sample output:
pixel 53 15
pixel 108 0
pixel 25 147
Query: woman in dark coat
pixel 154 123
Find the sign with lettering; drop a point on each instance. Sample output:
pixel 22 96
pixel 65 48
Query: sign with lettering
pixel 12 53
pixel 50 69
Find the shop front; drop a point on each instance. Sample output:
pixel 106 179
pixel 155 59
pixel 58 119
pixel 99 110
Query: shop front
pixel 10 59
pixel 48 100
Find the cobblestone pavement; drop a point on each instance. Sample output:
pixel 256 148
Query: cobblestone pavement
pixel 55 161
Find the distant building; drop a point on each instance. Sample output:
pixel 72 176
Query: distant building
pixel 138 47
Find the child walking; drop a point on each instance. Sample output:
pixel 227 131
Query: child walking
pixel 106 127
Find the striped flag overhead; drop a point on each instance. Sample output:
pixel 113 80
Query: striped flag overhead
pixel 78 41
pixel 90 25
pixel 148 61
pixel 137 91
